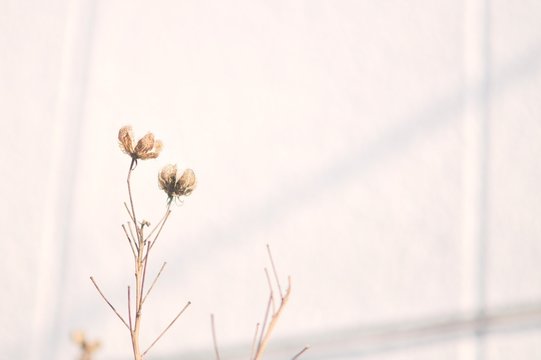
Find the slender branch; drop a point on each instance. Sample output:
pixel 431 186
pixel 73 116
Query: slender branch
pixel 300 352
pixel 161 226
pixel 108 303
pixel 167 328
pixel 129 310
pixel 214 337
pixel 274 271
pixel 270 289
pixel 130 195
pixel 128 210
pixel 143 279
pixel 129 241
pixel 133 237
pixel 159 223
pixel 254 341
pixel 153 282
pixel 264 325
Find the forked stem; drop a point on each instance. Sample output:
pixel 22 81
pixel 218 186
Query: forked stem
pixel 274 320
pixel 109 303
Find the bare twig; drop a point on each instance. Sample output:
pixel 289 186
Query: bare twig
pixel 300 352
pixel 108 303
pixel 129 241
pixel 153 282
pixel 213 328
pixel 143 279
pixel 161 226
pixel 133 237
pixel 164 217
pixel 267 310
pixel 167 328
pixel 275 273
pixel 270 289
pixel 254 341
pixel 128 210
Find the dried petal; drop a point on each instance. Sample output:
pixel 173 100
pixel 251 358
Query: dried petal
pixel 187 182
pixel 167 178
pixel 144 145
pixel 125 138
pixel 158 145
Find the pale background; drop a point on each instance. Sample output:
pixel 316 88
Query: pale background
pixel 388 151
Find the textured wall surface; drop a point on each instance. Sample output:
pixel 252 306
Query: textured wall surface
pixel 387 151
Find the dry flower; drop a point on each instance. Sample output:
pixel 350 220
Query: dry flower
pixel 146 148
pixel 141 244
pixel 86 347
pixel 175 186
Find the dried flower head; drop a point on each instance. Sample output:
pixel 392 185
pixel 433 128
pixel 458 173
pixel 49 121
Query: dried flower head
pixel 87 347
pixel 175 186
pixel 146 148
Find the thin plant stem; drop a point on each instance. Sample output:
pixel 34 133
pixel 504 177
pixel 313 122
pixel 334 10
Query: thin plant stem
pixel 274 271
pixel 144 276
pixel 153 282
pixel 264 324
pixel 167 328
pixel 270 289
pixel 129 310
pixel 128 210
pixel 213 328
pixel 138 271
pixel 300 352
pixel 129 241
pixel 137 327
pixel 108 303
pixel 133 237
pixel 254 341
pixel 167 211
pixel 129 193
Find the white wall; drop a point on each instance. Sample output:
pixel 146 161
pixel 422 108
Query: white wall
pixel 388 151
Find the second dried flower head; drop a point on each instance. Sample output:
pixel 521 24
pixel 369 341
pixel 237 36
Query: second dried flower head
pixel 175 185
